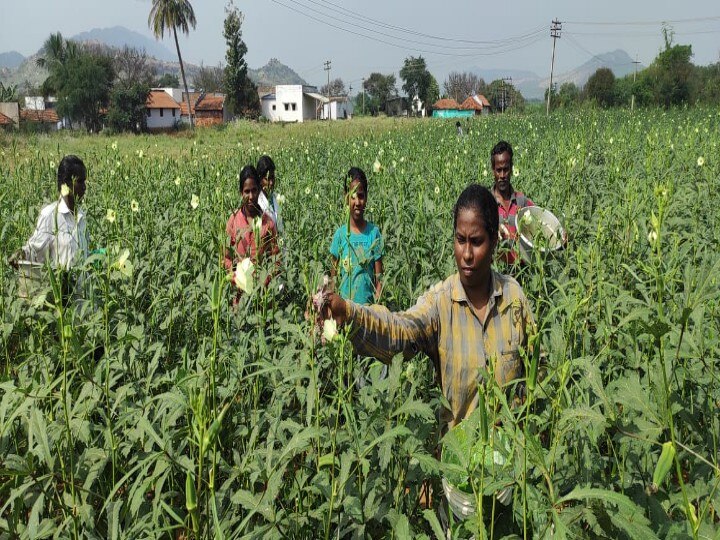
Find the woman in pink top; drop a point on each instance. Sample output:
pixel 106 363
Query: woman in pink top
pixel 252 233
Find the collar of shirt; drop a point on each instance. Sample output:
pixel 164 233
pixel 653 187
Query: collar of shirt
pixel 499 199
pixel 63 209
pixel 496 298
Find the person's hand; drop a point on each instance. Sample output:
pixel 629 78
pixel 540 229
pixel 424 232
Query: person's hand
pixel 335 308
pixel 15 258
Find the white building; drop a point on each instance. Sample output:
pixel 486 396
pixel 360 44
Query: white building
pixel 339 107
pixel 293 103
pixel 163 112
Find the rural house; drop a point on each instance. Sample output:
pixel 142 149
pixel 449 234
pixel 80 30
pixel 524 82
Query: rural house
pixel 11 111
pixel 293 103
pixel 449 108
pixel 339 107
pixel 477 103
pixel 210 110
pixel 163 112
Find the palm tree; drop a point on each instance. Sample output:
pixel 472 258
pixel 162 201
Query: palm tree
pixel 167 14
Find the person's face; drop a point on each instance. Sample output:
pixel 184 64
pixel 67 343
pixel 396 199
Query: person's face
pixel 250 193
pixel 357 200
pixel 473 249
pixel 79 188
pixel 268 183
pixel 502 171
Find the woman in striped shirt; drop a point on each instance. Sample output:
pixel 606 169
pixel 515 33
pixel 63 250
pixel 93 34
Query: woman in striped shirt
pixel 475 319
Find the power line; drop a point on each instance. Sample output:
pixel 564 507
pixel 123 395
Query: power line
pixel 341 9
pixel 645 23
pixel 501 47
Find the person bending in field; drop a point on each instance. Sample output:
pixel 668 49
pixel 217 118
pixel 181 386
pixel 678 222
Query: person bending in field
pixel 60 238
pixel 268 199
pixel 476 319
pixel 508 200
pixel 357 246
pixel 252 233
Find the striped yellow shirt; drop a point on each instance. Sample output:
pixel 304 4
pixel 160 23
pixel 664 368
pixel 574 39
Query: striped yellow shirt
pixel 446 327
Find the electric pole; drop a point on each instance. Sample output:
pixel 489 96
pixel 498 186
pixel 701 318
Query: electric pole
pixel 504 94
pixel 555 34
pixel 632 99
pixel 327 68
pixel 363 91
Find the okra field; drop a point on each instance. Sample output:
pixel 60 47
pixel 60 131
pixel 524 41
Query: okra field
pixel 155 408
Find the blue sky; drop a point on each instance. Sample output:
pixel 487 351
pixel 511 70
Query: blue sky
pixel 360 36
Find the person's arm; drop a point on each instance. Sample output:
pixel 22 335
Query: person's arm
pixel 229 255
pixel 378 279
pixel 380 333
pixel 37 247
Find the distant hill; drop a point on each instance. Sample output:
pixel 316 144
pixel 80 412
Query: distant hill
pixel 274 72
pixel 618 61
pixel 11 59
pixel 533 87
pixel 119 36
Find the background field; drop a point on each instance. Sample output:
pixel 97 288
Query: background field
pixel 201 420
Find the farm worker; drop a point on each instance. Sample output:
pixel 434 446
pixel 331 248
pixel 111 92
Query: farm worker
pixel 252 232
pixel 357 246
pixel 474 319
pixel 268 199
pixel 60 238
pixel 509 201
pixel 459 129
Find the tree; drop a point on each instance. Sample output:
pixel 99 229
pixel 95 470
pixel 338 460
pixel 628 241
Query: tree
pixel 168 80
pixel 84 89
pixel 417 80
pixel 127 111
pixel 600 87
pixel 8 93
pixel 461 85
pixel 133 66
pixel 56 52
pixel 242 97
pixel 503 96
pixel 173 14
pixel 568 96
pixel 380 88
pixel 209 79
pixel 336 88
pixel 672 72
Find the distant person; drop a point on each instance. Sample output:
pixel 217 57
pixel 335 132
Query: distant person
pixel 60 238
pixel 508 200
pixel 357 246
pixel 268 199
pixel 459 128
pixel 251 232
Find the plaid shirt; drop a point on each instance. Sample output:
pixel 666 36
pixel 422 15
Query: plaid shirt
pixel 445 326
pixel 508 220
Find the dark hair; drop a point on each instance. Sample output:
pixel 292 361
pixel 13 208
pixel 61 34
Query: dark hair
pixel 248 171
pixel 478 198
pixel 501 148
pixel 356 174
pixel 265 166
pixel 457 124
pixel 70 167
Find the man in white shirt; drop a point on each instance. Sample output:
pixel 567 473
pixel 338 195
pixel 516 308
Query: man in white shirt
pixel 60 237
pixel 268 201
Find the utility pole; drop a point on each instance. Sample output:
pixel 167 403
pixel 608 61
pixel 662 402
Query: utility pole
pixel 327 68
pixel 555 34
pixel 363 91
pixel 632 99
pixel 504 94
